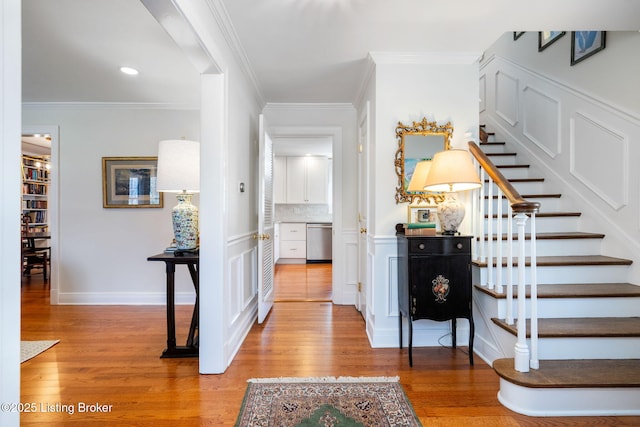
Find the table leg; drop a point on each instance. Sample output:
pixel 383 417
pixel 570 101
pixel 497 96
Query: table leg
pixel 171 306
pixel 192 340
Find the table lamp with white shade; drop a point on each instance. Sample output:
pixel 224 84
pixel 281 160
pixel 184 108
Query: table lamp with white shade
pixel 179 172
pixel 416 184
pixel 451 171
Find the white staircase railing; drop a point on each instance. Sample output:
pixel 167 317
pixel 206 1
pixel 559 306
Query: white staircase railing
pixel 500 267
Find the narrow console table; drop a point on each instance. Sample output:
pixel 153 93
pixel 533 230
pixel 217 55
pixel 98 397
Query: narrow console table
pixel 192 263
pixel 434 282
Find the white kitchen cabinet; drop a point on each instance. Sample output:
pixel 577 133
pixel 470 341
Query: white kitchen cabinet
pixel 293 242
pixel 280 179
pixel 296 180
pixel 307 180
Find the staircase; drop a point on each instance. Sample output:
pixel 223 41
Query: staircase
pixel 588 317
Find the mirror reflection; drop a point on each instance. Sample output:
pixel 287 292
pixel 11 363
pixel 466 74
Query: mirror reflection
pixel 416 142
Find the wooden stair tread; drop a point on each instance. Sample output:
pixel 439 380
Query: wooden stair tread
pixel 587 373
pixel 580 327
pixel 501 154
pixel 535 196
pixel 566 260
pixel 547 214
pixel 574 290
pixel 555 235
pixel 512 166
pixel 520 180
pixel 493 143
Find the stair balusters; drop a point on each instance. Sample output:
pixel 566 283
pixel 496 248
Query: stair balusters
pixel 523 212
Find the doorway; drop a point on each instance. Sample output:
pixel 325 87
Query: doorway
pixel 302 278
pixel 41 142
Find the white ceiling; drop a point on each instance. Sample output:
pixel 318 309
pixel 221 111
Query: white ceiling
pixel 298 50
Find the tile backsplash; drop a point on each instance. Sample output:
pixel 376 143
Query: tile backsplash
pixel 302 213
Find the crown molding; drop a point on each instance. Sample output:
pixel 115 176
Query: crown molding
pixel 107 106
pixel 285 106
pixel 230 35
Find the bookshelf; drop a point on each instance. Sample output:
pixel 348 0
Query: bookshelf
pixel 35 190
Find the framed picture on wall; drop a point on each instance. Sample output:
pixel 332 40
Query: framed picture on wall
pixel 586 43
pixel 547 38
pixel 422 214
pixel 130 182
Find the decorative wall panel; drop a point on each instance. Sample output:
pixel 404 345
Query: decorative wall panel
pixel 506 97
pixel 605 173
pixel 483 92
pixel 541 120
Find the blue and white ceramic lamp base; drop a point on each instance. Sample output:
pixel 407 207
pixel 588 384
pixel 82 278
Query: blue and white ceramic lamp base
pixel 185 223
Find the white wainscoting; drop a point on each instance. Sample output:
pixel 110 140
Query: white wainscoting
pixel 241 307
pixel 383 331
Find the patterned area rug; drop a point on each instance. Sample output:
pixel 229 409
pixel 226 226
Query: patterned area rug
pixel 30 349
pixel 326 401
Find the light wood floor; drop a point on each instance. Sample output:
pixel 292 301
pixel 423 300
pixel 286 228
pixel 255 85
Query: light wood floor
pixel 302 282
pixel 109 355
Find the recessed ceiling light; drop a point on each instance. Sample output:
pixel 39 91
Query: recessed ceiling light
pixel 129 70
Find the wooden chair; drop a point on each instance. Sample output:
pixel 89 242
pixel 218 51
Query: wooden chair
pixel 32 255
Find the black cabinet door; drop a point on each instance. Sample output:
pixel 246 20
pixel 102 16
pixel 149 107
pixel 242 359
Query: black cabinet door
pixel 439 287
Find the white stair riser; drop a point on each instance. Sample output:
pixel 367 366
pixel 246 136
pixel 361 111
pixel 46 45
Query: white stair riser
pixel 503 160
pixel 576 348
pixel 493 148
pixel 546 402
pixel 577 307
pixel 553 247
pixel 510 173
pixel 547 204
pixel 543 224
pixel 568 274
pixel 522 187
pixel 589 348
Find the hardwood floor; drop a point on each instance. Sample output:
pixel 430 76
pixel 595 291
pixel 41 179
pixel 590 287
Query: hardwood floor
pixel 109 355
pixel 302 282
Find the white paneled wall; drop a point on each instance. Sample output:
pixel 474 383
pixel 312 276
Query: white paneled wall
pixel 584 145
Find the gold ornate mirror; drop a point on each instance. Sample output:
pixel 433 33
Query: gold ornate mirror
pixel 417 142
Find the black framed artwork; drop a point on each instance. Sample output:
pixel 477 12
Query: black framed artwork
pixel 586 43
pixel 547 38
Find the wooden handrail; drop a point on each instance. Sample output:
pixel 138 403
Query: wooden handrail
pixel 518 204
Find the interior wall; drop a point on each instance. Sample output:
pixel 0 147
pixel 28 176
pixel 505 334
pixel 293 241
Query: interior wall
pixel 103 251
pixel 442 90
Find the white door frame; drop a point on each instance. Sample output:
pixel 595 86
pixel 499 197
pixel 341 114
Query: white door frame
pixel 339 291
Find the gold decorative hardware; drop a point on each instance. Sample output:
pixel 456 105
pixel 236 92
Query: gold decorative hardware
pixel 363 230
pixel 257 236
pixel 418 142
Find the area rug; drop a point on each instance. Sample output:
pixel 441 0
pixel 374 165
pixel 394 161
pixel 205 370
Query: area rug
pixel 326 401
pixel 30 349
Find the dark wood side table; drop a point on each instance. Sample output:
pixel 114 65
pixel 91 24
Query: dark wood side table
pixel 434 282
pixel 192 263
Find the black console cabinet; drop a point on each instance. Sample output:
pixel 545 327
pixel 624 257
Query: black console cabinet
pixel 434 282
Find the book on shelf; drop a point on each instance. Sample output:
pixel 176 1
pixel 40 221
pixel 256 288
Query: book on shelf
pixel 420 229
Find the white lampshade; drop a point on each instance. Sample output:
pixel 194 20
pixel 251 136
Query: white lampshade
pixel 419 177
pixel 178 166
pixel 452 171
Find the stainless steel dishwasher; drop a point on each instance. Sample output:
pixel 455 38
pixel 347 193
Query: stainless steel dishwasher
pixel 319 238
